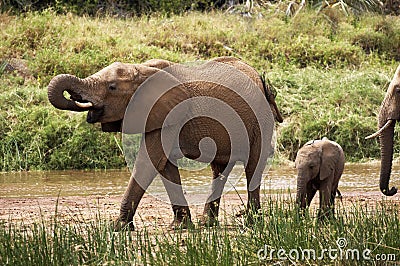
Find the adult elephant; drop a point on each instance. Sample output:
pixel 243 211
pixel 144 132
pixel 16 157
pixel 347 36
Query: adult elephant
pixel 217 112
pixel 388 115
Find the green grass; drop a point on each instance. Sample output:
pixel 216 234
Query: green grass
pixel 279 227
pixel 331 72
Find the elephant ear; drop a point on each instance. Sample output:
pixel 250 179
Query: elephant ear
pixel 152 103
pixel 329 158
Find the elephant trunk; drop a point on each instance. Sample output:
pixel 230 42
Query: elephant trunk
pixel 72 85
pixel 386 145
pixel 301 192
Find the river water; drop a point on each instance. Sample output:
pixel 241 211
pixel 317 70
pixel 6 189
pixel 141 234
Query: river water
pixel 356 178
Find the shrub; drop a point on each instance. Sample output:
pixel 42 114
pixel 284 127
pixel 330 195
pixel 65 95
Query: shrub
pixel 328 85
pixel 119 8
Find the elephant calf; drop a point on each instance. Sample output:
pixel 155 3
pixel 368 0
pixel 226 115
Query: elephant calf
pixel 319 165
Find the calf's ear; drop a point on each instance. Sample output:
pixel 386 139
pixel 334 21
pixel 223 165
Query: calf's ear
pixel 329 158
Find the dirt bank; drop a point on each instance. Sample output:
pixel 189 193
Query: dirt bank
pixel 152 213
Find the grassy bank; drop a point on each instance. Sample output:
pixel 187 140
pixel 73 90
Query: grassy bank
pixel 354 238
pixel 330 70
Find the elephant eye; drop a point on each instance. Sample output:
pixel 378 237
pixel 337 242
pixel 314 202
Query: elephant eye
pixel 112 87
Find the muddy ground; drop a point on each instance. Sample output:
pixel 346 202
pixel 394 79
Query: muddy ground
pixel 152 213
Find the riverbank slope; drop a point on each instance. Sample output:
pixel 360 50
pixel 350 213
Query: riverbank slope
pixel 330 71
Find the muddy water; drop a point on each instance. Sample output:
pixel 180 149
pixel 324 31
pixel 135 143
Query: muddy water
pixel 356 177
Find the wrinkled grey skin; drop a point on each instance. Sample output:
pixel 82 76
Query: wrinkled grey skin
pixel 319 165
pixel 389 111
pixel 110 90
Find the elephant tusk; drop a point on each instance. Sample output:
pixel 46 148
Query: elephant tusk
pixel 84 105
pixel 377 133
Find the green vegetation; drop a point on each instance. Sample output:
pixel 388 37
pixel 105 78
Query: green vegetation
pixel 93 242
pixel 330 70
pixel 119 8
pixel 167 7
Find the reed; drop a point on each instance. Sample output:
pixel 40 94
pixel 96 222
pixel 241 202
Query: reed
pixel 372 229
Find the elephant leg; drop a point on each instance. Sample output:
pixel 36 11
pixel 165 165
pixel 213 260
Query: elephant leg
pixel 325 194
pixel 172 183
pixel 254 170
pixel 304 200
pixel 333 197
pixel 130 202
pixel 211 208
pixel 332 202
pixel 140 179
pixel 311 190
pixel 253 178
pixel 148 163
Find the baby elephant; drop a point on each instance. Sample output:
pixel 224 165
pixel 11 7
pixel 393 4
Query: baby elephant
pixel 319 165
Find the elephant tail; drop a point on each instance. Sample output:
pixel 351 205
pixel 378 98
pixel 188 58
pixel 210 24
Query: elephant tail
pixel 338 194
pixel 270 94
pixel 267 87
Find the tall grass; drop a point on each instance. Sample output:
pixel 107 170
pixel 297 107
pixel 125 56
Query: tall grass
pixel 330 70
pixel 279 227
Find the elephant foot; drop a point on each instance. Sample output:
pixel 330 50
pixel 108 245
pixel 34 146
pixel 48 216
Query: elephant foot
pixel 250 216
pixel 208 221
pixel 182 217
pixel 210 214
pixel 121 225
pixel 184 223
pixel 325 215
pixel 302 211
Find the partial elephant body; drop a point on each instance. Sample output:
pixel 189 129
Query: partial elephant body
pixel 221 119
pixel 255 77
pixel 388 115
pixel 239 65
pixel 218 112
pixel 319 165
